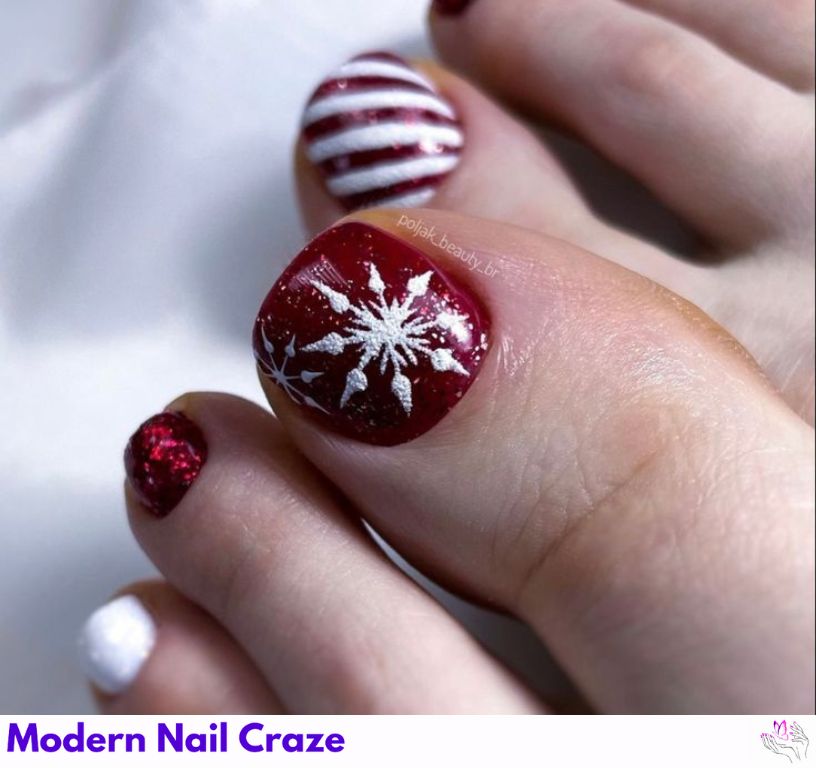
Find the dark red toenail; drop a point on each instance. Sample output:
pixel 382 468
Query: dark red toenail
pixel 369 336
pixel 163 459
pixel 450 7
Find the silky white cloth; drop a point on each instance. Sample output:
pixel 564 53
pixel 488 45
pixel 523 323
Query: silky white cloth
pixel 146 206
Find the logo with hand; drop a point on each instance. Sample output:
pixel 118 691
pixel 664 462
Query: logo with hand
pixel 788 741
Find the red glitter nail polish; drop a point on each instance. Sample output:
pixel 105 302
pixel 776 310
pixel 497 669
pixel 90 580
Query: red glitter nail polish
pixel 450 7
pixel 370 336
pixel 163 459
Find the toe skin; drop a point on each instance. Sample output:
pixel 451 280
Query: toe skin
pixel 695 125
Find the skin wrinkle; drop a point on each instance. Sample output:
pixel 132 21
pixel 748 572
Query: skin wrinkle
pixel 373 675
pixel 634 285
pixel 524 516
pixel 734 520
pixel 652 60
pixel 682 533
pixel 594 498
pixel 652 600
pixel 720 25
pixel 295 629
pixel 703 327
pixel 222 580
pixel 538 345
pixel 573 514
pixel 243 498
pixel 360 673
pixel 622 627
pixel 575 523
pixel 236 590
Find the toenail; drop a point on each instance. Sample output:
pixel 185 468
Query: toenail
pixel 380 134
pixel 115 642
pixel 163 458
pixel 450 7
pixel 370 336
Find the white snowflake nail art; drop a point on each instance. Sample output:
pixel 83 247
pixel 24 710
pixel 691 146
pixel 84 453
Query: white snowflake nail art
pixel 285 380
pixel 389 333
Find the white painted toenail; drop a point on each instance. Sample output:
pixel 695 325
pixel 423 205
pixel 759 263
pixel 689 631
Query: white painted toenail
pixel 115 642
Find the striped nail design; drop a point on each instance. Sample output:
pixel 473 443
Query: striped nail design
pixel 380 133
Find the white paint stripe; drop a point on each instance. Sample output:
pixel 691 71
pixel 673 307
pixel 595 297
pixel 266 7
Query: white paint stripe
pixel 387 174
pixel 361 138
pixel 337 104
pixel 374 68
pixel 412 199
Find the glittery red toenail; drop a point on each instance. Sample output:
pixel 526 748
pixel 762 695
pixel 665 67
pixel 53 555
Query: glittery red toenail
pixel 163 458
pixel 371 337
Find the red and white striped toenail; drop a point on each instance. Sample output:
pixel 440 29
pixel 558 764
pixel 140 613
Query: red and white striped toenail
pixel 380 133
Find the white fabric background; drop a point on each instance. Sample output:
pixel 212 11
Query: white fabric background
pixel 146 206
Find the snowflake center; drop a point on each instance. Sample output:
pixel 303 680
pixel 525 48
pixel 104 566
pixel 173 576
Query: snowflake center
pixel 387 326
pixel 386 333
